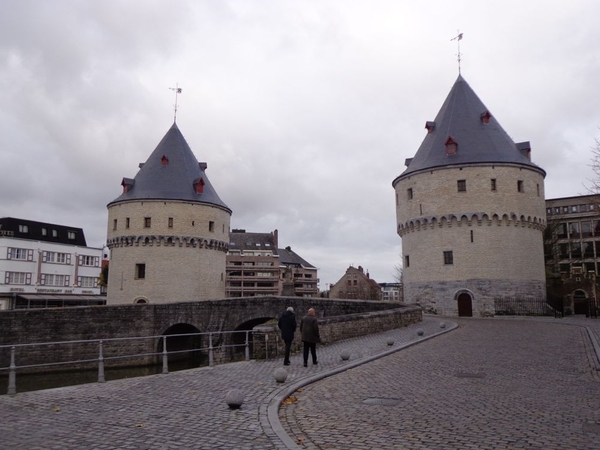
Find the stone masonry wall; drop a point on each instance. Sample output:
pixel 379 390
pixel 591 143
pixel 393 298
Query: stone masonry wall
pixel 268 342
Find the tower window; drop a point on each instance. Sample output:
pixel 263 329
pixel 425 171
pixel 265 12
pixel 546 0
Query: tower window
pixel 127 222
pixel 211 226
pixel 406 261
pixel 164 160
pixel 462 185
pixel 115 224
pixel 520 186
pixel 147 222
pixel 170 222
pixel 140 271
pixel 448 257
pixel 409 193
pixel 493 184
pixel 485 117
pixel 537 186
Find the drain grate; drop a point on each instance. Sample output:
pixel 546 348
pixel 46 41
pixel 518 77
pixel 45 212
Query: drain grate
pixel 382 401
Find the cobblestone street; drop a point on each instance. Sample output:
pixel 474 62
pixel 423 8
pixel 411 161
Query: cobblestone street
pixel 490 384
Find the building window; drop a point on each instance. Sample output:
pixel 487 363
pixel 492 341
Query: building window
pixel 520 187
pixel 451 146
pixel 557 210
pixel 44 232
pixel 537 187
pixel 406 261
pixel 20 253
pixel 574 208
pixel 170 222
pixel 448 257
pixel 211 226
pixel 574 230
pixel 561 230
pixel 548 211
pixel 493 183
pixel 575 250
pixel 23 229
pixel 140 271
pixel 87 282
pixel 127 222
pixel 57 258
pixel 409 193
pixel 563 251
pixel 17 278
pixel 91 261
pixel 115 224
pixel 71 235
pixel 462 185
pixel 586 228
pixel 48 279
pixel 147 222
pixel 54 233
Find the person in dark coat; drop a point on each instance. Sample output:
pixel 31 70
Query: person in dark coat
pixel 309 327
pixel 287 325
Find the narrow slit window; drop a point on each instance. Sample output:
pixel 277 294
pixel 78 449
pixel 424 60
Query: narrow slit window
pixel 493 184
pixel 448 257
pixel 462 185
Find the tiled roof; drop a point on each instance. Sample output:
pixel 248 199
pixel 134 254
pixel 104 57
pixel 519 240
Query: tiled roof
pixel 288 257
pixel 462 119
pixel 252 241
pixel 170 173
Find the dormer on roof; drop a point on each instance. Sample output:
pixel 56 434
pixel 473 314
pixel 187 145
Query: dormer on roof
pixel 525 149
pixel 199 185
pixel 451 146
pixel 430 126
pixel 127 184
pixel 164 160
pixel 485 117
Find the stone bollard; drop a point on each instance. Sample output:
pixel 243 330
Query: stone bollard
pixel 234 399
pixel 420 332
pixel 442 325
pixel 390 341
pixel 345 355
pixel 280 375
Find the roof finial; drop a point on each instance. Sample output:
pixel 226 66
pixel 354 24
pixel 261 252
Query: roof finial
pixel 458 38
pixel 177 90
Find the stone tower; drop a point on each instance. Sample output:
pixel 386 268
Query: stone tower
pixel 168 232
pixel 470 211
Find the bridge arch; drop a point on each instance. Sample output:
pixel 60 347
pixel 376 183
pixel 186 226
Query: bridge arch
pixel 239 339
pixel 183 348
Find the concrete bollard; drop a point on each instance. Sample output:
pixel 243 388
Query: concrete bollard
pixel 420 332
pixel 234 399
pixel 345 355
pixel 390 342
pixel 280 374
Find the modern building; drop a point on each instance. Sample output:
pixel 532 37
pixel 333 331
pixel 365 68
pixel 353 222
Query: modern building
pixel 168 232
pixel 391 292
pixel 356 284
pixel 471 213
pixel 47 265
pixel 256 266
pixel 572 247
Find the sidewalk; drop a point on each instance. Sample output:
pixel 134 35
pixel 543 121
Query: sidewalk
pixel 187 409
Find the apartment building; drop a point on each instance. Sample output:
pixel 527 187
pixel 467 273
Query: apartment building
pixel 356 284
pixel 256 266
pixel 47 265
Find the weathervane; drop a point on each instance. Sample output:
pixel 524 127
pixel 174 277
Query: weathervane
pixel 177 90
pixel 458 38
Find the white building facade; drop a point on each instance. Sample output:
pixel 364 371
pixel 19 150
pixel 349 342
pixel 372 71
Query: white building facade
pixel 43 264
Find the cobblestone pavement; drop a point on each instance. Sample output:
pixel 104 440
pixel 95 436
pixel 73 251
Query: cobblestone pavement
pixel 181 410
pixel 490 384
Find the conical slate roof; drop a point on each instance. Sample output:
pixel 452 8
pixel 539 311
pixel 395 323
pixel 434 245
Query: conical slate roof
pixel 463 118
pixel 171 173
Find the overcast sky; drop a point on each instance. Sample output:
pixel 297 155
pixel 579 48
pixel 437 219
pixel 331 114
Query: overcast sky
pixel 304 110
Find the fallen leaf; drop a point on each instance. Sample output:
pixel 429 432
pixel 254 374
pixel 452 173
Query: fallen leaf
pixel 56 409
pixel 139 425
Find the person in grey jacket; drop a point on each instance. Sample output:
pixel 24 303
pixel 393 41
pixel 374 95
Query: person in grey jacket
pixel 309 328
pixel 287 325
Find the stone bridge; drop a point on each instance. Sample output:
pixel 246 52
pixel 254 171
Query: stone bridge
pixel 106 322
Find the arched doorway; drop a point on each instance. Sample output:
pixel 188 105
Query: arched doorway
pixel 579 302
pixel 465 305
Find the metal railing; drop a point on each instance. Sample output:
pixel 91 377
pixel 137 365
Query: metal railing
pixel 101 360
pixel 514 306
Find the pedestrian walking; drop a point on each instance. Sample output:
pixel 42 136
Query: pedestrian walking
pixel 287 325
pixel 309 327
